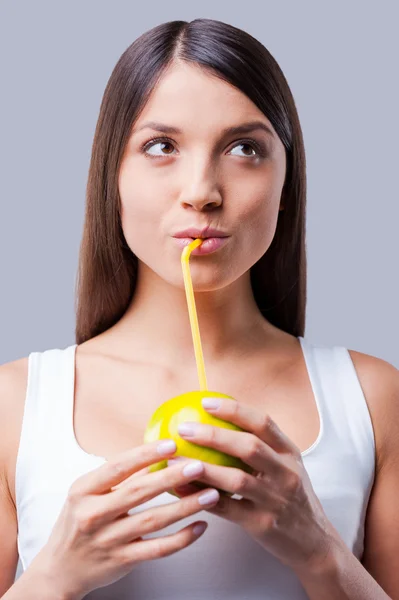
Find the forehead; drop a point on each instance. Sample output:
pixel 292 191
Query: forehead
pixel 189 96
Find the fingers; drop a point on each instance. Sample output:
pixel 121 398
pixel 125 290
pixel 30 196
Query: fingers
pixel 128 479
pixel 254 421
pixel 115 471
pixel 159 547
pixel 255 454
pixel 185 490
pixel 124 531
pixel 141 489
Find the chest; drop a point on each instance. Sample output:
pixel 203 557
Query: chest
pixel 113 406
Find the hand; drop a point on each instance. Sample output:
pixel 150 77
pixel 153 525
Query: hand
pixel 279 507
pixel 95 541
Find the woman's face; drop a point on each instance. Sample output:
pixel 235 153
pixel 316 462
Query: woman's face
pixel 200 176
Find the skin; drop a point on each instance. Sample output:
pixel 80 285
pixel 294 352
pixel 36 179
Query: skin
pixel 199 178
pixel 202 172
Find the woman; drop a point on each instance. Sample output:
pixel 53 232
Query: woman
pixel 198 130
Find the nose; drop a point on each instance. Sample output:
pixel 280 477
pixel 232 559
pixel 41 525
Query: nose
pixel 201 192
pixel 200 203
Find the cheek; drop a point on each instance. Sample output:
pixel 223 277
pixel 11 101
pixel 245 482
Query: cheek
pixel 259 222
pixel 258 201
pixel 141 209
pixel 251 211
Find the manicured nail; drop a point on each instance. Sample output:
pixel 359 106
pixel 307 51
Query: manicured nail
pixel 166 447
pixel 193 468
pixel 211 403
pixel 209 497
pixel 199 528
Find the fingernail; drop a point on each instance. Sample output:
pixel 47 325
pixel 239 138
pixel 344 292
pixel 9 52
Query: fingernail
pixel 212 403
pixel 194 468
pixel 166 447
pixel 209 497
pixel 199 528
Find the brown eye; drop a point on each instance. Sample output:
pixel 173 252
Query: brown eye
pixel 248 147
pixel 254 149
pixel 154 143
pixel 167 144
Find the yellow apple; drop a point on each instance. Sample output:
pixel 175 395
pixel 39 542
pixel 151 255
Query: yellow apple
pixel 187 407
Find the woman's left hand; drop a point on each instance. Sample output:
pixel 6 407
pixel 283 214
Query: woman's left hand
pixel 279 508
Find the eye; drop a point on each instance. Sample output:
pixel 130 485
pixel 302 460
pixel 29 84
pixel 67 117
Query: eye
pixel 156 142
pixel 259 149
pixel 251 146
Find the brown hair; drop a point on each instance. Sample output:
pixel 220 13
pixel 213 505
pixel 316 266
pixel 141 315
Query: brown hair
pixel 107 269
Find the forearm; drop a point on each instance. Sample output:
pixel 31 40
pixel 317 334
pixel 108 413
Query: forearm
pixel 33 585
pixel 341 576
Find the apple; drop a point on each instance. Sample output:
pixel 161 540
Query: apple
pixel 187 407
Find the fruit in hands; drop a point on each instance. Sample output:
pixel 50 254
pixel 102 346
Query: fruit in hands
pixel 187 407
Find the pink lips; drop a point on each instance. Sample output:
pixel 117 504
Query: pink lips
pixel 208 245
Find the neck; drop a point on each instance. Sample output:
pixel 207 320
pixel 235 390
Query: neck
pixel 157 322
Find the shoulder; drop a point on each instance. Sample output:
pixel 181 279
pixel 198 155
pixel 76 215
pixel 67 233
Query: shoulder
pixel 13 386
pixel 379 381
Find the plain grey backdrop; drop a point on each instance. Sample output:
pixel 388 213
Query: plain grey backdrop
pixel 341 62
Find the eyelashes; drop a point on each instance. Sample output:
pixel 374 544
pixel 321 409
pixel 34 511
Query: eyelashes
pixel 261 150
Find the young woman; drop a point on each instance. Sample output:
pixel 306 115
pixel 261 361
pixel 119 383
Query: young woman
pixel 198 136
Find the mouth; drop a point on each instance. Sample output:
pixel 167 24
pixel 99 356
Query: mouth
pixel 201 233
pixel 208 246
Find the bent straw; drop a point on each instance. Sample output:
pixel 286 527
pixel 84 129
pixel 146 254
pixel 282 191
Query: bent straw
pixel 193 312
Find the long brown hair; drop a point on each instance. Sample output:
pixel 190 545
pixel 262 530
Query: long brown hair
pixel 107 269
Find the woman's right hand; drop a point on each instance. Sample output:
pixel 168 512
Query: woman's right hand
pixel 95 542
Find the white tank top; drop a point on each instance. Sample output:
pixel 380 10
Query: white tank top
pixel 225 563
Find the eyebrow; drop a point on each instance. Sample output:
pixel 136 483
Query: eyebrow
pixel 244 128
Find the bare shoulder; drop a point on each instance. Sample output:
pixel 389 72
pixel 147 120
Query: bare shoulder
pixel 380 383
pixel 379 380
pixel 13 386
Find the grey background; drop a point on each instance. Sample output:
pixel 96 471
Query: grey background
pixel 341 62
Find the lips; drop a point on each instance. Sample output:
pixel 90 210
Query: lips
pixel 204 233
pixel 208 245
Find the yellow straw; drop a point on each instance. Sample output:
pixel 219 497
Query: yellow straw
pixel 193 312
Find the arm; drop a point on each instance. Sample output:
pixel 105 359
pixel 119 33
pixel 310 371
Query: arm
pixel 8 528
pixel 30 585
pixel 341 575
pixel 8 517
pixel 33 586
